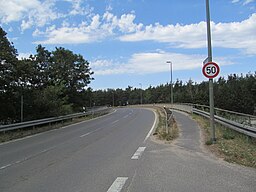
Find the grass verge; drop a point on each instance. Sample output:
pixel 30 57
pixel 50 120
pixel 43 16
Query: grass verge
pixel 160 132
pixel 232 146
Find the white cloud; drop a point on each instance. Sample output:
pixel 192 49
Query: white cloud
pixel 29 12
pixel 99 28
pixel 152 62
pixel 247 2
pixel 14 10
pixel 38 12
pixel 244 2
pixel 78 8
pixel 239 35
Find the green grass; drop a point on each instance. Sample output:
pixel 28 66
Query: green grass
pixel 232 146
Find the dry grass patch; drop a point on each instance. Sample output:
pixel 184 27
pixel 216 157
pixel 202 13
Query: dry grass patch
pixel 232 146
pixel 160 132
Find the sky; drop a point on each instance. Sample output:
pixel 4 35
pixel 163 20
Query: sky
pixel 128 42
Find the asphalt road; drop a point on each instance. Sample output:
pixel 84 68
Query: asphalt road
pixel 185 166
pixel 114 153
pixel 88 156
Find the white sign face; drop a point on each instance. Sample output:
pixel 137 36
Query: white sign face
pixel 211 70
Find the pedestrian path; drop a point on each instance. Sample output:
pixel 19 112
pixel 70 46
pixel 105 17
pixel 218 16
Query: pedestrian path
pixel 183 166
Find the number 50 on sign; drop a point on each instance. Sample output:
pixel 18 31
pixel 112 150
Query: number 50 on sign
pixel 211 70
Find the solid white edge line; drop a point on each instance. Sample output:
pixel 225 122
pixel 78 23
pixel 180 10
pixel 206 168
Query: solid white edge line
pixel 118 184
pixel 152 128
pixel 138 153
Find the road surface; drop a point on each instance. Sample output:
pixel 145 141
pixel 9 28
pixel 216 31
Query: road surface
pixel 114 153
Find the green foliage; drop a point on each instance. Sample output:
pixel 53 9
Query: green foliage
pixel 228 134
pixel 50 83
pixel 49 102
pixel 209 142
pixel 237 93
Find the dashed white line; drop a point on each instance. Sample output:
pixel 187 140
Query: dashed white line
pixel 85 134
pixel 114 122
pixel 118 184
pixel 126 116
pixel 3 167
pixel 138 153
pixel 58 129
pixel 27 158
pixel 90 132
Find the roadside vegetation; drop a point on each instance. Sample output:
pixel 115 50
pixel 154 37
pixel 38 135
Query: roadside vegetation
pixel 160 132
pixel 232 146
pixel 47 84
pixel 53 83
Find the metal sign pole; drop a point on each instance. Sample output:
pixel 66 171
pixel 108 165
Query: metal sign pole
pixel 211 99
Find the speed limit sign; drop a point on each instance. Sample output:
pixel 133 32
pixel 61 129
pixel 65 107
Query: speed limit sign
pixel 211 70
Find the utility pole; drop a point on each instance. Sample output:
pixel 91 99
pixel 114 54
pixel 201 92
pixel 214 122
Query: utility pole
pixel 169 62
pixel 141 94
pixel 21 108
pixel 211 98
pixel 113 99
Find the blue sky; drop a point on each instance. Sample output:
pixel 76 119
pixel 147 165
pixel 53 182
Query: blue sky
pixel 127 42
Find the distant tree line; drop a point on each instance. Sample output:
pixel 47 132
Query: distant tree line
pixel 53 83
pixel 44 85
pixel 236 93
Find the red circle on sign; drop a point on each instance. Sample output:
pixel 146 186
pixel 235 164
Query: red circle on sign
pixel 211 70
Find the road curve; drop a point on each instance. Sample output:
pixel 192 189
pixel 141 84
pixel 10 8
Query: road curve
pixel 93 156
pixel 113 154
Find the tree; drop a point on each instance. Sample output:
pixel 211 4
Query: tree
pixel 73 72
pixel 45 84
pixel 8 59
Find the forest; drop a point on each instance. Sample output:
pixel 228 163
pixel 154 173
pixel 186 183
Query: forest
pixel 54 83
pixel 236 93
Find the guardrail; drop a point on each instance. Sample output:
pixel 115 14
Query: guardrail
pixel 240 122
pixel 34 123
pixel 245 129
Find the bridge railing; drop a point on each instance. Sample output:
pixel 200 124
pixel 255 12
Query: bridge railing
pixel 243 123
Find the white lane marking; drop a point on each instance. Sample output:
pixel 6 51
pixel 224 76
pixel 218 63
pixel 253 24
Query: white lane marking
pixel 151 130
pixel 85 134
pixel 91 132
pixel 27 158
pixel 118 184
pixel 126 116
pixel 3 167
pixel 114 122
pixel 138 153
pixel 52 130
